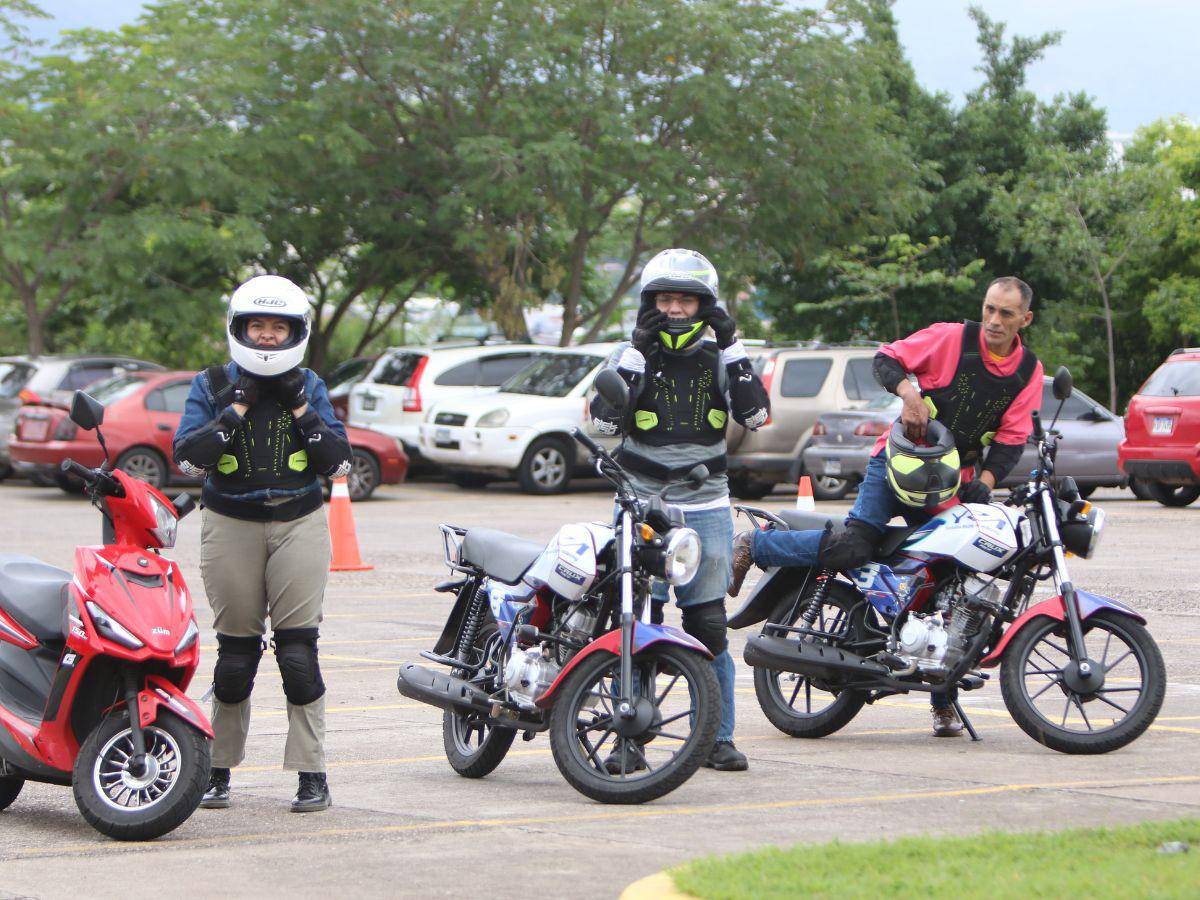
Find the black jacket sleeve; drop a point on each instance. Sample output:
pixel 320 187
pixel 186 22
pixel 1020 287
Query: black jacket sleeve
pixel 328 452
pixel 1001 458
pixel 748 399
pixel 201 447
pixel 631 366
pixel 888 372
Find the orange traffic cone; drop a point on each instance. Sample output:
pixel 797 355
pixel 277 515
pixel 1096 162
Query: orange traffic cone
pixel 341 531
pixel 804 495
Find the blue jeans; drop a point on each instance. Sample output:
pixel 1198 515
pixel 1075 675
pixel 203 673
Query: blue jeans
pixel 715 528
pixel 876 505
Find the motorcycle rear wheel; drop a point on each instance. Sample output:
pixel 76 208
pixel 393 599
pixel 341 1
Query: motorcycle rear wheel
pixel 585 706
pixel 473 747
pixel 782 702
pixel 1029 674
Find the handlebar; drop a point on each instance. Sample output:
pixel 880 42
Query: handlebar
pixel 591 445
pixel 69 465
pixel 1038 431
pixel 96 478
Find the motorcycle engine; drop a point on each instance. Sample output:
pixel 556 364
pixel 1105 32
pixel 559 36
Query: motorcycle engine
pixel 929 643
pixel 528 675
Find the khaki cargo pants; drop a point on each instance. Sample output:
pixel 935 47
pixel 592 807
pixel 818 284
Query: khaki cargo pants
pixel 254 571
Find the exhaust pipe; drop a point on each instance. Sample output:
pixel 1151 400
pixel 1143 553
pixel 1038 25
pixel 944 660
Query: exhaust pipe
pixel 445 691
pixel 821 660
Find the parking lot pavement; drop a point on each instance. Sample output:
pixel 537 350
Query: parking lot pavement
pixel 404 824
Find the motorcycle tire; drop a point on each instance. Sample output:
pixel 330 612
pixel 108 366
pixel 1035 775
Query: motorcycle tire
pixel 779 710
pixel 1056 737
pixel 10 787
pixel 174 745
pixel 571 701
pixel 457 727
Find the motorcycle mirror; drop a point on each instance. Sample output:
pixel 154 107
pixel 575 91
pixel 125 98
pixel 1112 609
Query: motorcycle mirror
pixel 86 412
pixel 184 504
pixel 612 387
pixel 1062 383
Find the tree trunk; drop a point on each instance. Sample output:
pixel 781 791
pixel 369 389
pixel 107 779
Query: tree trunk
pixel 891 295
pixel 35 324
pixel 574 287
pixel 1112 356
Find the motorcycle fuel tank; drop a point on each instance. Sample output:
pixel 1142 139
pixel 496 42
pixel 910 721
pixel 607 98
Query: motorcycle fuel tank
pixel 980 536
pixel 568 564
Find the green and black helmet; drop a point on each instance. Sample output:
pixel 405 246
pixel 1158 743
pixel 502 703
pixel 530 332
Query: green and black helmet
pixel 923 475
pixel 687 272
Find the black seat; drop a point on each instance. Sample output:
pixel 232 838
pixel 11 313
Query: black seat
pixel 893 537
pixel 34 594
pixel 799 520
pixel 503 556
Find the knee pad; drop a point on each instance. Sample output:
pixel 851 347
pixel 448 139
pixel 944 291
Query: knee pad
pixel 850 548
pixel 296 653
pixel 706 622
pixel 237 664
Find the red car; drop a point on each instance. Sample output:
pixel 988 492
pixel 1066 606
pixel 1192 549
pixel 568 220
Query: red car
pixel 142 411
pixel 1162 431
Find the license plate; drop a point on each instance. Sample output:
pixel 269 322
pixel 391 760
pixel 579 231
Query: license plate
pixel 833 467
pixel 35 430
pixel 441 435
pixel 368 404
pixel 1163 425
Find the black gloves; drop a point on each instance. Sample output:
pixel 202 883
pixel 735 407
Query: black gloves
pixel 289 389
pixel 975 492
pixel 245 390
pixel 645 332
pixel 722 325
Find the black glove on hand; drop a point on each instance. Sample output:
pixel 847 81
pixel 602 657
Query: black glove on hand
pixel 289 388
pixel 645 332
pixel 245 390
pixel 723 326
pixel 975 492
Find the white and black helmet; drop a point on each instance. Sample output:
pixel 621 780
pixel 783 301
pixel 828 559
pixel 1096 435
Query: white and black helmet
pixel 269 295
pixel 688 272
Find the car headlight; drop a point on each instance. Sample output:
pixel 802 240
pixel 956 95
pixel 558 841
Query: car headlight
pixel 681 559
pixel 493 419
pixel 111 628
pixel 166 523
pixel 189 637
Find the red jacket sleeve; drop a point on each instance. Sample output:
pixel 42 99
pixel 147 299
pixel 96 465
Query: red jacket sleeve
pixel 931 353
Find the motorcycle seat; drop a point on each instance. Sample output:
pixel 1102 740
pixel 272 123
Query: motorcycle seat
pixel 501 555
pixel 34 595
pixel 800 520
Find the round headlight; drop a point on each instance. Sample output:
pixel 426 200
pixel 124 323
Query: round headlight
pixel 1097 522
pixel 493 419
pixel 681 559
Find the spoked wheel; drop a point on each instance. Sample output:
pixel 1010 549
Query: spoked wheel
pixel 1046 699
pixel 138 805
pixel 614 759
pixel 10 787
pixel 473 747
pixel 799 705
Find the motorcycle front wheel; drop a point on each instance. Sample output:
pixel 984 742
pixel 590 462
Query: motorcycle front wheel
pixel 604 756
pixel 1049 711
pixel 140 806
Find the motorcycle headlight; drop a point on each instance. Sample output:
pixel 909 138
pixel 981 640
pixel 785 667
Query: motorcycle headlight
pixel 189 637
pixel 166 523
pixel 493 419
pixel 681 559
pixel 111 628
pixel 1082 535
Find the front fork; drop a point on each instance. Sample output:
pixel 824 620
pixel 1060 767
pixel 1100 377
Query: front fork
pixel 137 761
pixel 1086 675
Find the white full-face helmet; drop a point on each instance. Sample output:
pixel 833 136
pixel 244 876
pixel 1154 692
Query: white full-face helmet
pixel 268 295
pixel 688 272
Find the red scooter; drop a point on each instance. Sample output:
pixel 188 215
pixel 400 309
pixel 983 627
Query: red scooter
pixel 93 666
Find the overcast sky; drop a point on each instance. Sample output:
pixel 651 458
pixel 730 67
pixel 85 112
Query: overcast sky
pixel 1140 60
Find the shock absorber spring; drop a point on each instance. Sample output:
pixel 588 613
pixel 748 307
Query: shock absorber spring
pixel 471 623
pixel 813 608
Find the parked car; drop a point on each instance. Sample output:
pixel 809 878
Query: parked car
pixel 378 459
pixel 523 430
pixel 1162 431
pixel 343 377
pixel 406 381
pixel 842 442
pixel 51 379
pixel 803 381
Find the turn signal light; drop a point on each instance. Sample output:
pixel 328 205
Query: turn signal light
pixel 818 429
pixel 873 428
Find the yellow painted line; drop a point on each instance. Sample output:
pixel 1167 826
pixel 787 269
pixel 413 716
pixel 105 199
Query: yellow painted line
pixel 366 659
pixel 323 643
pixel 629 813
pixel 359 763
pixel 1175 728
pixel 346 709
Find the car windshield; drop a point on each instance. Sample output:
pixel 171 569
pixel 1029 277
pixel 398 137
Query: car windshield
pixel 1174 379
pixel 552 376
pixel 350 370
pixel 116 388
pixel 13 376
pixel 884 401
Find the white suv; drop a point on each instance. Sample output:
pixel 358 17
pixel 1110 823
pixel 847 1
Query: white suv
pixel 406 381
pixel 524 430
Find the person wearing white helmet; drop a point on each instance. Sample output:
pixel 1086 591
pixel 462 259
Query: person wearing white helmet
pixel 682 391
pixel 260 430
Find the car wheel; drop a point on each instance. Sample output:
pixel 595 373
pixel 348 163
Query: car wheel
pixel 68 484
pixel 546 467
pixel 825 487
pixel 1140 489
pixel 364 475
pixel 470 480
pixel 746 488
pixel 1173 494
pixel 5 470
pixel 145 465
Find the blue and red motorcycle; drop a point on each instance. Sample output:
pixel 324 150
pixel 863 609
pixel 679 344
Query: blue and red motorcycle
pixel 950 598
pixel 559 638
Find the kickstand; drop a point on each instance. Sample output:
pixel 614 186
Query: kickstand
pixel 966 722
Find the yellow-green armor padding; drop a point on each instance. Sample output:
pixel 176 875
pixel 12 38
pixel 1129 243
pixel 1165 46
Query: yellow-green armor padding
pixel 645 420
pixel 227 464
pixel 298 461
pixel 717 418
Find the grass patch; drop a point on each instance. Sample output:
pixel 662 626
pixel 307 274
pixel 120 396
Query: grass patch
pixel 1092 862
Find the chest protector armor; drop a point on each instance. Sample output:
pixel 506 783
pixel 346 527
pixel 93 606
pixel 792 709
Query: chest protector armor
pixel 975 400
pixel 268 450
pixel 681 400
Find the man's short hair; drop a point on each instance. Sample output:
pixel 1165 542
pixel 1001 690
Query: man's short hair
pixel 1012 282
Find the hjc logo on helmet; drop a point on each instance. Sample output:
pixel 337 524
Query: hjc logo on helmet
pixel 269 301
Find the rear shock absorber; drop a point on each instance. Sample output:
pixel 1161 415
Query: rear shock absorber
pixel 471 623
pixel 813 608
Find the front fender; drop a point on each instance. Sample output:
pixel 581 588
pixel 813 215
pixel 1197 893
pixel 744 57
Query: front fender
pixel 771 588
pixel 160 692
pixel 644 635
pixel 1053 608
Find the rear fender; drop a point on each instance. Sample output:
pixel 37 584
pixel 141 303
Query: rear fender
pixel 1089 604
pixel 771 588
pixel 644 635
pixel 160 692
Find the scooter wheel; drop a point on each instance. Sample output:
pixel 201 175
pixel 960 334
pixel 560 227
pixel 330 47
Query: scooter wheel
pixel 130 807
pixel 10 787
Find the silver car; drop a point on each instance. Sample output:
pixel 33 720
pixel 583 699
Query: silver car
pixel 842 442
